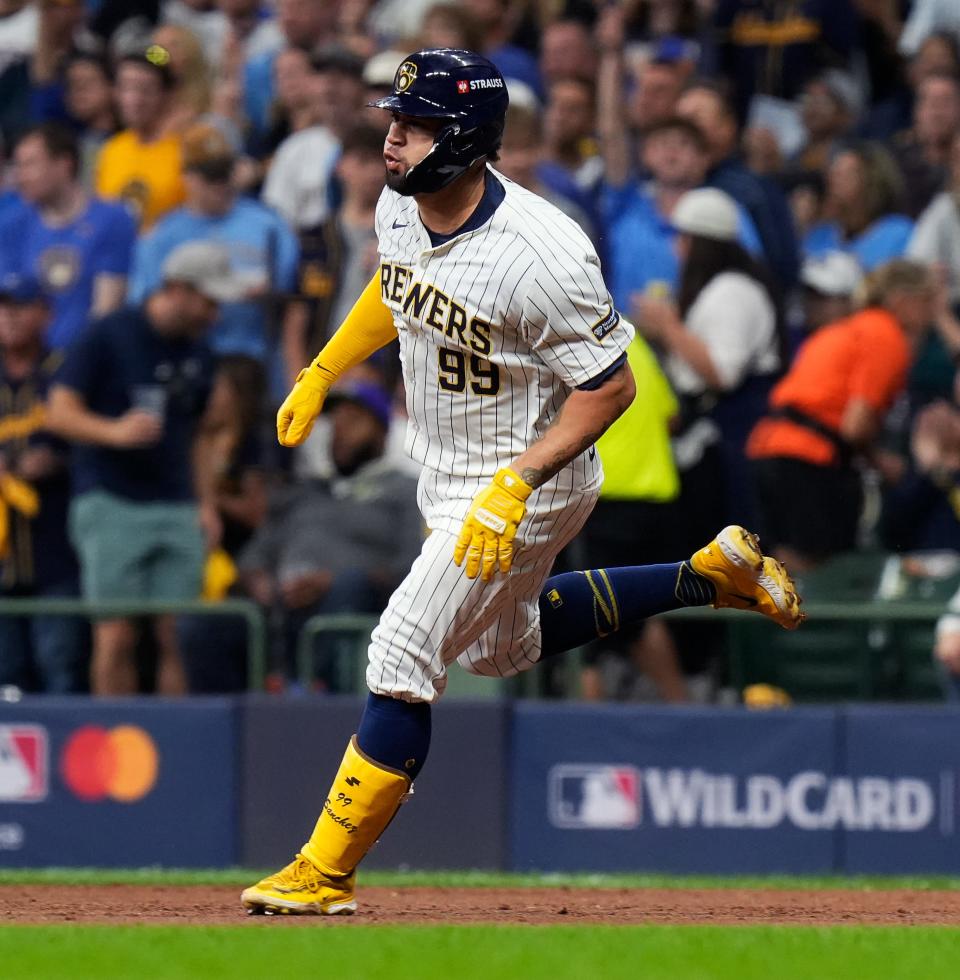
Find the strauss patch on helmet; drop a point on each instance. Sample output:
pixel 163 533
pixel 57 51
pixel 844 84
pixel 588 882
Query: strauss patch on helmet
pixel 480 83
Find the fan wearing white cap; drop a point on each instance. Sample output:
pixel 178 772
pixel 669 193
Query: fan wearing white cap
pixel 721 344
pixel 709 213
pixel 829 282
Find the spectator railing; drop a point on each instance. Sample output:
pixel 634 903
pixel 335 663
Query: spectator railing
pixel 351 624
pixel 878 612
pixel 886 610
pixel 250 611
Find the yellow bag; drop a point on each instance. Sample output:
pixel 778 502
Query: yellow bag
pixel 219 574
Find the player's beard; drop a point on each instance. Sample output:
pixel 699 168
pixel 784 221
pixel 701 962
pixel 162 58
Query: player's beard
pixel 397 182
pixel 410 182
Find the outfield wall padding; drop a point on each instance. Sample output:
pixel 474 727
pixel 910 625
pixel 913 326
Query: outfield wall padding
pixel 523 786
pixel 865 790
pixel 125 783
pixel 457 817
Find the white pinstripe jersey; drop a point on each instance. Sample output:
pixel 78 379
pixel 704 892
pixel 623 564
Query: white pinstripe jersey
pixel 496 327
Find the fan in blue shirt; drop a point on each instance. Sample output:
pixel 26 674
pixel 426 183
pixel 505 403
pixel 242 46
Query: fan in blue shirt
pixel 76 246
pixel 863 191
pixel 264 251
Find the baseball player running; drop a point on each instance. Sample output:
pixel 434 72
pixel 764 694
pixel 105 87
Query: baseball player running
pixel 514 361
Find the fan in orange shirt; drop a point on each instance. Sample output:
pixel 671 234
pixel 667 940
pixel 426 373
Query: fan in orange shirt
pixel 828 409
pixel 141 165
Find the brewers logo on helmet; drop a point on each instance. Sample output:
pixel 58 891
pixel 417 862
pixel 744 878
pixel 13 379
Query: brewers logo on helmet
pixel 406 75
pixel 461 87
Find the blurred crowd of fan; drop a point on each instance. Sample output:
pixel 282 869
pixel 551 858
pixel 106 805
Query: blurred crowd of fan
pixel 186 212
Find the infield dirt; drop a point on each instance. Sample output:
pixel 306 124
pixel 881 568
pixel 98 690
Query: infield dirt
pixel 199 905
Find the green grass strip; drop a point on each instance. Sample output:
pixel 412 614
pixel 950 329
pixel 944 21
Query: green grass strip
pixel 474 879
pixel 344 949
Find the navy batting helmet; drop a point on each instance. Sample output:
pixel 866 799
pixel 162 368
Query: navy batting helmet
pixel 462 87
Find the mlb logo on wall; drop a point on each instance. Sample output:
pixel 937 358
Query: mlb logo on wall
pixel 24 764
pixel 594 797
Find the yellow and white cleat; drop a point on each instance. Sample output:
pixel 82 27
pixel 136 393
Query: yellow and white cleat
pixel 745 578
pixel 301 889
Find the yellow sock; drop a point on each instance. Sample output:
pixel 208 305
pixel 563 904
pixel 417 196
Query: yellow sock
pixel 362 800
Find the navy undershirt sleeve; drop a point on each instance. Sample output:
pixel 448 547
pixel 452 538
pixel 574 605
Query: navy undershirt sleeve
pixel 596 382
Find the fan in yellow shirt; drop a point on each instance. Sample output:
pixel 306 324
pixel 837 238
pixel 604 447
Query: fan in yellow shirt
pixel 635 450
pixel 142 164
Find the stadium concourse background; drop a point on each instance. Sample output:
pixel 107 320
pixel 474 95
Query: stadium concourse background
pixel 834 128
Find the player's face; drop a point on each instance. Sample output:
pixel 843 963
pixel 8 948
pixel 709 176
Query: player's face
pixel 409 140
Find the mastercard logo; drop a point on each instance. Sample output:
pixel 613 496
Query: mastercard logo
pixel 117 763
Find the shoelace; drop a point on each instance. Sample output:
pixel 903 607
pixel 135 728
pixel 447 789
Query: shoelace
pixel 293 873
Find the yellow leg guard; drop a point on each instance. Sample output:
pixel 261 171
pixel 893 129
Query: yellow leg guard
pixel 363 799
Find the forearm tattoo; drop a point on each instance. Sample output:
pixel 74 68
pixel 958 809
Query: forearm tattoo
pixel 537 476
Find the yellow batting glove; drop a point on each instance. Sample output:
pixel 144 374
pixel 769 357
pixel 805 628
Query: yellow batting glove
pixel 491 525
pixel 367 327
pixel 301 407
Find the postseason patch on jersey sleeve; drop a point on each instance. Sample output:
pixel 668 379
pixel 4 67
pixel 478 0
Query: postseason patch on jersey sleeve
pixel 602 327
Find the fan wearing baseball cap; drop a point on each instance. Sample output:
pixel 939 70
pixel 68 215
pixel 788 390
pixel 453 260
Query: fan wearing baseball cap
pixel 132 396
pixel 828 283
pixel 722 349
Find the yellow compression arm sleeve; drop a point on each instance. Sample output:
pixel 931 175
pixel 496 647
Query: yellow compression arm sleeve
pixel 366 328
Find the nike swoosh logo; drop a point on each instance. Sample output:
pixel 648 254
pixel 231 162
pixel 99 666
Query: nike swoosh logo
pixel 397 224
pixel 749 600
